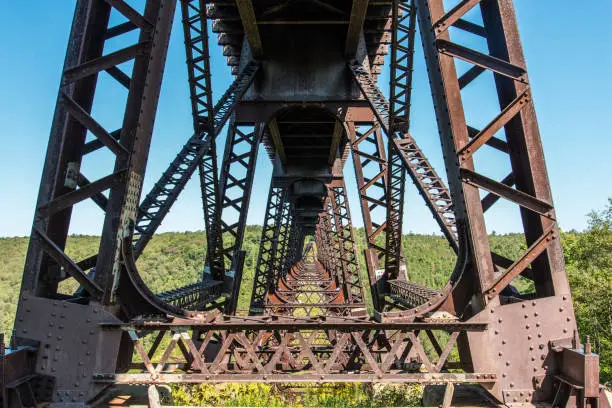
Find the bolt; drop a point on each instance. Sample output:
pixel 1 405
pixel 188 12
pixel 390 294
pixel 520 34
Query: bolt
pixel 587 345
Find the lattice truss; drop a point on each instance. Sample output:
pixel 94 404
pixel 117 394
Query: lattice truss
pixel 308 317
pixel 291 350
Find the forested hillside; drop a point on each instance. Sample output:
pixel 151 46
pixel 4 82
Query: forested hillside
pixel 175 259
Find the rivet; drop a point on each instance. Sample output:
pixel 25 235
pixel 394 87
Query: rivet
pixel 526 326
pixel 507 363
pixel 526 316
pixel 528 337
pixel 512 384
pixel 504 375
pixel 499 320
pixel 560 309
pixel 564 330
pixel 523 306
pixel 500 354
pixel 530 347
pixel 533 303
pixel 536 314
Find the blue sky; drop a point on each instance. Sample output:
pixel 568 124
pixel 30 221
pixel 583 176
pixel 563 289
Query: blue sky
pixel 569 59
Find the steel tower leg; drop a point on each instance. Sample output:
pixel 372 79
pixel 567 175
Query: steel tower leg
pixel 370 163
pixel 347 247
pixel 527 186
pixel 77 316
pixel 262 281
pixel 235 187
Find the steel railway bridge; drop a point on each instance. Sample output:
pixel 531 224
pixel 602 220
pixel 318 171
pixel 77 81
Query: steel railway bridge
pixel 305 88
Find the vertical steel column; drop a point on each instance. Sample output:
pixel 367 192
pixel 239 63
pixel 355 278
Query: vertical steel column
pixel 325 242
pixel 278 268
pixel 263 279
pixel 235 184
pixel 513 131
pixel 402 53
pixel 65 148
pixel 195 29
pixel 122 207
pixel 370 163
pixel 460 143
pixel 346 240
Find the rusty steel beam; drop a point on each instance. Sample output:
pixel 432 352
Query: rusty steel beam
pixel 359 10
pixel 249 23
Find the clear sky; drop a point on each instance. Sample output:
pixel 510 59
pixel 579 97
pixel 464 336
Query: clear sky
pixel 569 57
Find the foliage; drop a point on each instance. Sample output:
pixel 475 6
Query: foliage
pixel 588 258
pixel 304 395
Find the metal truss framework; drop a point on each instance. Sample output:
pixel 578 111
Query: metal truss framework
pixel 308 319
pixel 289 349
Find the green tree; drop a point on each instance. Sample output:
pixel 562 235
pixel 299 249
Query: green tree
pixel 588 257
